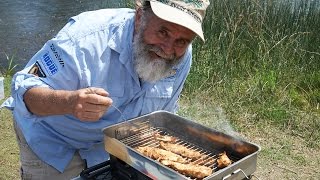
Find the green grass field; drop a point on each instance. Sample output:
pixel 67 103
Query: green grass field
pixel 9 153
pixel 257 77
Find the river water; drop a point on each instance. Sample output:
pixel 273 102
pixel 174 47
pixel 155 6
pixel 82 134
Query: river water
pixel 26 25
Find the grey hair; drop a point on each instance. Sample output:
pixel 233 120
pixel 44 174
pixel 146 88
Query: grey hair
pixel 147 12
pixel 146 9
pixel 146 5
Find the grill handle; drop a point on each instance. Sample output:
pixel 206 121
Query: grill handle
pixel 234 173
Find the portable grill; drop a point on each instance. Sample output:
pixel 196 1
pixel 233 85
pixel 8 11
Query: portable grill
pixel 121 140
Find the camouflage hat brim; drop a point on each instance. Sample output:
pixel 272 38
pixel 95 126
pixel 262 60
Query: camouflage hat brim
pixel 178 14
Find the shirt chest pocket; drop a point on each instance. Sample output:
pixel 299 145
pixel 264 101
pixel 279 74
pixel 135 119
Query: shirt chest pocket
pixel 116 91
pixel 160 90
pixel 116 77
pixel 159 95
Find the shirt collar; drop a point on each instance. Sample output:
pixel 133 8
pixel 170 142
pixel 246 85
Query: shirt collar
pixel 121 39
pixel 121 42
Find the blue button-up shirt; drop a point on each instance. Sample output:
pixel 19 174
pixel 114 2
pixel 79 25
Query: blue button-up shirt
pixel 93 49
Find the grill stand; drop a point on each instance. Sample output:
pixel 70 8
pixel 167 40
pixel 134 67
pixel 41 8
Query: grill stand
pixel 123 171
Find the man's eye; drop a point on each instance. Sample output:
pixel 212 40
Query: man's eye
pixel 163 33
pixel 181 43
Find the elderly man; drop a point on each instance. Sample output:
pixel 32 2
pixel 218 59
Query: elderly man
pixel 132 60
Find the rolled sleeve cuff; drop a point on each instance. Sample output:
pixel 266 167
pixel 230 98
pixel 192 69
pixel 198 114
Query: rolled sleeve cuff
pixel 20 84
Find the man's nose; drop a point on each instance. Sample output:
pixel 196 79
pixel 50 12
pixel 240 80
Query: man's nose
pixel 168 47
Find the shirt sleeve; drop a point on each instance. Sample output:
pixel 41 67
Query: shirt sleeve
pixel 53 66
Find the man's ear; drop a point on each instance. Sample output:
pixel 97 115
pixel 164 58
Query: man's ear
pixel 138 4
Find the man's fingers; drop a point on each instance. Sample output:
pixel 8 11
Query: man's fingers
pixel 100 91
pixel 98 99
pixel 94 107
pixel 91 103
pixel 98 96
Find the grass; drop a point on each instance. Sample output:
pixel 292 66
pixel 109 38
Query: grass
pixel 11 67
pixel 262 57
pixel 9 153
pixel 284 154
pixel 257 76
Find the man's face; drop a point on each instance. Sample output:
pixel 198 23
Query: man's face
pixel 158 46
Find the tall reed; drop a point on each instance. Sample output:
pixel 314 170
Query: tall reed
pixel 263 56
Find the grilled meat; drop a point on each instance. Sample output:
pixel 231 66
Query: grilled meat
pixel 194 171
pixel 223 160
pixel 160 154
pixel 181 150
pixel 165 138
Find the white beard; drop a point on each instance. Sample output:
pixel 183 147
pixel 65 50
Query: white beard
pixel 148 69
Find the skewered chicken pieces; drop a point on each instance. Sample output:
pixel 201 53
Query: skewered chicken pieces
pixel 181 150
pixel 223 160
pixel 180 158
pixel 195 171
pixel 165 138
pixel 160 154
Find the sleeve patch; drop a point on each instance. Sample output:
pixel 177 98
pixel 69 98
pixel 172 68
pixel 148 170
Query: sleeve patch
pixel 37 70
pixel 56 54
pixel 49 64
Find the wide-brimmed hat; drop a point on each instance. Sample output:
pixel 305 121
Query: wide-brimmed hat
pixel 187 13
